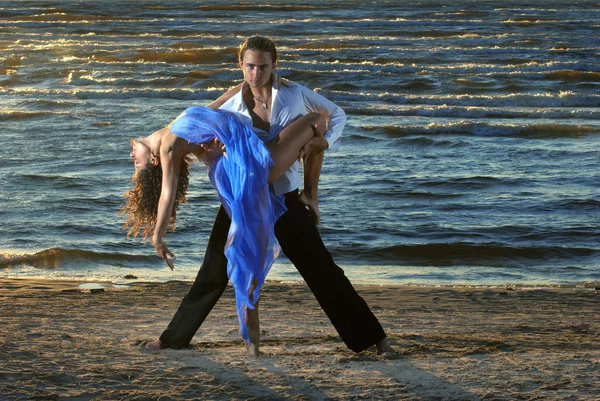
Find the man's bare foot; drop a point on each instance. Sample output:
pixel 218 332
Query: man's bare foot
pixel 252 349
pixel 312 205
pixel 154 345
pixel 384 348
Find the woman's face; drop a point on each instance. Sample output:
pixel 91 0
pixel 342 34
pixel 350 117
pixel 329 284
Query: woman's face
pixel 140 153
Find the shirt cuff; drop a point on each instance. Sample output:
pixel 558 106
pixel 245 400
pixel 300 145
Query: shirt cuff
pixel 333 145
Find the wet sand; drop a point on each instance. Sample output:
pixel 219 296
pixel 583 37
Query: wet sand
pixel 62 342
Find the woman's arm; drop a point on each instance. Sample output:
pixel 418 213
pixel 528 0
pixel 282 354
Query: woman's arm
pixel 170 158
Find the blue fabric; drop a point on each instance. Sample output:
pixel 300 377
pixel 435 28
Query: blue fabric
pixel 240 178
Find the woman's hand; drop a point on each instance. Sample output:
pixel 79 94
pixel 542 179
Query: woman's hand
pixel 164 253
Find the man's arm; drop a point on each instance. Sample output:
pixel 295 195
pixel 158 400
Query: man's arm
pixel 210 148
pixel 225 97
pixel 335 116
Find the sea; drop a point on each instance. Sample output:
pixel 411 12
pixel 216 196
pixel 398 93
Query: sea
pixel 471 155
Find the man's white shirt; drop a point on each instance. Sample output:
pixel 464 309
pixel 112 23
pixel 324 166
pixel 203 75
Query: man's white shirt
pixel 290 102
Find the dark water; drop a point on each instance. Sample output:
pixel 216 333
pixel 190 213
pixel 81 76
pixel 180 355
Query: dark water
pixel 471 154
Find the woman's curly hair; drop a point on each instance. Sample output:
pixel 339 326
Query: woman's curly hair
pixel 141 201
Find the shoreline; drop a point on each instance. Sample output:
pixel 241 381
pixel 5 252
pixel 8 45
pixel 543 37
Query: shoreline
pixel 452 343
pixel 78 265
pixel 125 283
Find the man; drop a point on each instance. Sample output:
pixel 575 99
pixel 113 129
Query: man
pixel 266 105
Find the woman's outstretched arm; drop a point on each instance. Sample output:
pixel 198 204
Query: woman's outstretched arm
pixel 170 159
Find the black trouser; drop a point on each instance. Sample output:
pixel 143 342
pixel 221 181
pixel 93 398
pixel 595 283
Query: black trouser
pixel 302 244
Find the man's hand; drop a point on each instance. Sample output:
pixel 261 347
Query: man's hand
pixel 164 253
pixel 214 149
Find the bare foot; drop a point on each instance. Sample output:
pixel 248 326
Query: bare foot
pixel 253 326
pixel 252 349
pixel 154 345
pixel 384 348
pixel 312 205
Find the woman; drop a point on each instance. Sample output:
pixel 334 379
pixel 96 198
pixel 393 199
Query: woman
pixel 241 177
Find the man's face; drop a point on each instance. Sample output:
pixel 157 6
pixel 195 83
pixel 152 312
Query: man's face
pixel 257 67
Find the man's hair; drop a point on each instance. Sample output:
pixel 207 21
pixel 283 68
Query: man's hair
pixel 141 201
pixel 258 43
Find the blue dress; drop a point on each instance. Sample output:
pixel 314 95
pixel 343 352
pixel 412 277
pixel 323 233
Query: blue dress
pixel 241 180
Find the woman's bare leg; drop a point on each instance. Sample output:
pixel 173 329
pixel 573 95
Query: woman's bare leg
pixel 312 172
pixel 285 148
pixel 253 326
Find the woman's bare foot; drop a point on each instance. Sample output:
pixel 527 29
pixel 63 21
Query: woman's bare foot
pixel 252 349
pixel 384 348
pixel 312 205
pixel 253 326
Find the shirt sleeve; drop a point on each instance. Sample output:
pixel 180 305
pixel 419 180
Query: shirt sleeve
pixel 336 117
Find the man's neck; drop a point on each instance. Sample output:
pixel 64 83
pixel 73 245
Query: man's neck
pixel 259 105
pixel 262 92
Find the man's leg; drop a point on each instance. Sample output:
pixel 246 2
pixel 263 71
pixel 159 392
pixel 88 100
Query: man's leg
pixel 349 313
pixel 205 292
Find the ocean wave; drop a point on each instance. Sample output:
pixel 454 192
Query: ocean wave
pixel 158 80
pixel 204 56
pixel 122 81
pixel 66 16
pixel 472 254
pixel 50 103
pixel 139 56
pixel 578 205
pixel 573 76
pixel 264 7
pixel 475 111
pixel 561 99
pixel 10 115
pixel 514 68
pixel 472 183
pixel 55 180
pixel 542 130
pixel 11 61
pixel 538 20
pixel 329 46
pixel 57 257
pixel 118 93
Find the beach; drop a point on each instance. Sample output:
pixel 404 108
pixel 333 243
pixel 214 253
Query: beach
pixel 68 340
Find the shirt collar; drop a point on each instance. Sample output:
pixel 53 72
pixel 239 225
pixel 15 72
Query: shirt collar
pixel 238 98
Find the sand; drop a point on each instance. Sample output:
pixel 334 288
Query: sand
pixel 62 342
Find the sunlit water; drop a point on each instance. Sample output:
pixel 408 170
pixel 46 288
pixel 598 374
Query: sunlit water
pixel 471 154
